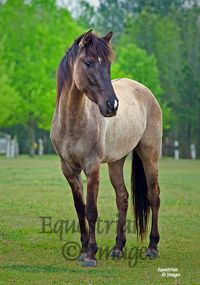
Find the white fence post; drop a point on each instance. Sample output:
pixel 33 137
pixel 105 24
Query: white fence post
pixel 40 147
pixel 193 151
pixel 12 147
pixel 8 146
pixel 176 150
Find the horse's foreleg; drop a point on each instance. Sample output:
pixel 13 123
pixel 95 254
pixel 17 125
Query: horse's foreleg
pixel 76 185
pixel 117 180
pixel 92 214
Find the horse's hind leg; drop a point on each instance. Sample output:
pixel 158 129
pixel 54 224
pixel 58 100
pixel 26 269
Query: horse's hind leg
pixel 117 180
pixel 149 156
pixel 76 185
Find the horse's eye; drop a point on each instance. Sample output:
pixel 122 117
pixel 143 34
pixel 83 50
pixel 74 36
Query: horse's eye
pixel 89 63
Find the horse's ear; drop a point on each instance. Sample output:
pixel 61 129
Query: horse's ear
pixel 86 38
pixel 108 37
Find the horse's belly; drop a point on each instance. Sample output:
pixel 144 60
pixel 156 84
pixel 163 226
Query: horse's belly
pixel 123 133
pixel 117 147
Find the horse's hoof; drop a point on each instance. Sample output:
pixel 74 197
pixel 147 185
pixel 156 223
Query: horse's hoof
pixel 152 253
pixel 82 257
pixel 90 262
pixel 116 253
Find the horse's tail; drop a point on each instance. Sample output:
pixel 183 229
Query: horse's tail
pixel 139 195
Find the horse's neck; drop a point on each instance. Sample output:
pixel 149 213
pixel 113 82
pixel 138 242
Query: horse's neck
pixel 72 109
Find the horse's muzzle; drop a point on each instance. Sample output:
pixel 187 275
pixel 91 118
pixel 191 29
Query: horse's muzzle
pixel 110 108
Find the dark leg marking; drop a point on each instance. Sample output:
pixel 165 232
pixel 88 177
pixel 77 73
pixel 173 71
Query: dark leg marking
pixel 154 201
pixel 91 215
pixel 76 185
pixel 117 180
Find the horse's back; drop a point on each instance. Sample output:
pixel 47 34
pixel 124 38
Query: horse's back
pixel 132 92
pixel 124 131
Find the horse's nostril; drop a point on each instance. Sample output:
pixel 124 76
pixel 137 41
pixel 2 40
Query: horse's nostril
pixel 112 105
pixel 109 104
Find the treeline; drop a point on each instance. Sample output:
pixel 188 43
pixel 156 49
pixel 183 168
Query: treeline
pixel 156 43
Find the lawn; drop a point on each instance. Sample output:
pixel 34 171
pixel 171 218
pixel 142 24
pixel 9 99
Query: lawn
pixel 31 188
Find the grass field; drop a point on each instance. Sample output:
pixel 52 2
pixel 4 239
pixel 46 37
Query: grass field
pixel 30 188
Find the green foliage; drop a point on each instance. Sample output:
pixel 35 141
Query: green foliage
pixel 85 14
pixel 160 7
pixel 187 105
pixel 135 63
pixel 174 40
pixel 159 36
pixel 36 36
pixel 156 42
pixel 112 14
pixel 9 98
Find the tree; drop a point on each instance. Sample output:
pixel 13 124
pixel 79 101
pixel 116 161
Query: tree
pixel 174 40
pixel 159 7
pixel 187 106
pixel 110 17
pixel 9 98
pixel 134 63
pixel 85 14
pixel 36 36
pixel 112 14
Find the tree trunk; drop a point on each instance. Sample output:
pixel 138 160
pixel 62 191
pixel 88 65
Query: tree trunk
pixel 198 130
pixel 32 139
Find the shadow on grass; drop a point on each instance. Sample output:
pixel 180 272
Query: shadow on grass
pixel 52 269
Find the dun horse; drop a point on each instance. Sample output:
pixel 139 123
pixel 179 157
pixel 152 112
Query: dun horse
pixel 101 121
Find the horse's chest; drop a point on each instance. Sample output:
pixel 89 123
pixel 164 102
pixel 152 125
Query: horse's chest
pixel 74 150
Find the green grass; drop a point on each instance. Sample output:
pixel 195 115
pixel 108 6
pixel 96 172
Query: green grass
pixel 35 187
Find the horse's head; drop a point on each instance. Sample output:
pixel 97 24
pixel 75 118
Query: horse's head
pixel 91 72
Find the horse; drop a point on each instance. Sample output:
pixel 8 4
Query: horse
pixel 96 121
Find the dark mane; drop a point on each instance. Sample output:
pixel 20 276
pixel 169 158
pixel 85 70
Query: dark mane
pixel 96 47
